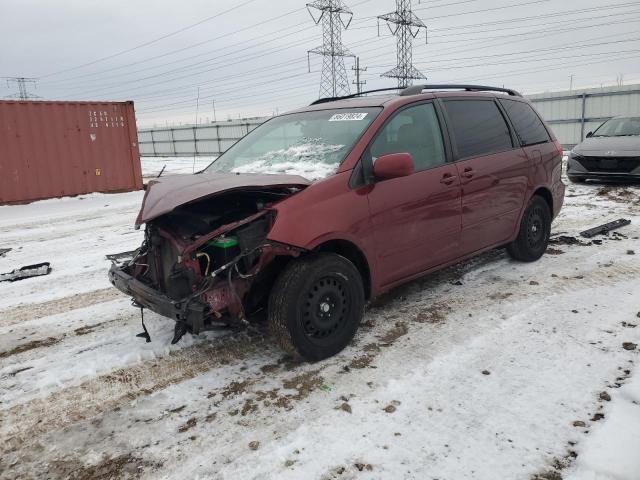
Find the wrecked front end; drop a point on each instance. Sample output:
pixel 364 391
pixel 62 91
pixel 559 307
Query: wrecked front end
pixel 208 262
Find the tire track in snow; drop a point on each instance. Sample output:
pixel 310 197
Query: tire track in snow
pixel 33 311
pixel 64 407
pixel 51 341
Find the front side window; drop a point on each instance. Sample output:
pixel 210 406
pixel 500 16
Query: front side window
pixel 528 125
pixel 478 126
pixel 619 127
pixel 310 144
pixel 414 130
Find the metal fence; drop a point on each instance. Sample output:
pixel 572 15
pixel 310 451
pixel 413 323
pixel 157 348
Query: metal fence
pixel 573 114
pixel 209 139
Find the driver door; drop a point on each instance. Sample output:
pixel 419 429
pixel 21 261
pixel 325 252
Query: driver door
pixel 417 218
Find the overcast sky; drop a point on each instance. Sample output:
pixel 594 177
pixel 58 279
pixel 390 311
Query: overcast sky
pixel 250 55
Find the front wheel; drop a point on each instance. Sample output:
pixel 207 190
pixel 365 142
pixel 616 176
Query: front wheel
pixel 535 228
pixel 316 305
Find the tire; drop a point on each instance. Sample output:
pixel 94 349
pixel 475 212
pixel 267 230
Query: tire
pixel 316 305
pixel 535 228
pixel 576 179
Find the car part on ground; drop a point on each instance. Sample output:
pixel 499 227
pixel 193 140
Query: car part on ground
pixel 606 228
pixel 318 210
pixel 28 271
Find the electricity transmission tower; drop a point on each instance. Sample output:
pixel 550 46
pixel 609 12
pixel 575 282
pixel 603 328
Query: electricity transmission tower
pixel 405 26
pixel 23 93
pixel 335 16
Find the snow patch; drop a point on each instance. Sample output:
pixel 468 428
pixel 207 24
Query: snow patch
pixel 611 451
pixel 304 160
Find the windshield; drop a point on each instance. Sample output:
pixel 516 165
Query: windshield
pixel 619 127
pixel 310 144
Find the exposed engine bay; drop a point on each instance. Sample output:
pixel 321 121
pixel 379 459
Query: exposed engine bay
pixel 207 262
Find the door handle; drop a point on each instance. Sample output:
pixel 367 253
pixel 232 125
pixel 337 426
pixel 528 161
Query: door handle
pixel 467 172
pixel 448 179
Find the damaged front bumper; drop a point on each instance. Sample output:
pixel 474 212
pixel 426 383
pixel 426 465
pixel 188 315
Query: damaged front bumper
pixel 192 313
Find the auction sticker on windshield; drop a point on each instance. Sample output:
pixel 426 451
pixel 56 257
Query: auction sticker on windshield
pixel 345 117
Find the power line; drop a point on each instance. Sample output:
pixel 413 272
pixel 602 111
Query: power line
pixel 520 53
pixel 250 57
pixel 466 58
pixel 151 42
pixel 486 9
pixel 189 47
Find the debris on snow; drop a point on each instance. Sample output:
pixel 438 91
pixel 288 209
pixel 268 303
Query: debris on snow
pixel 605 228
pixel 29 271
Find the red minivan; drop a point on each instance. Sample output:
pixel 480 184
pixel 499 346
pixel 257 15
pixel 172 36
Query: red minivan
pixel 318 210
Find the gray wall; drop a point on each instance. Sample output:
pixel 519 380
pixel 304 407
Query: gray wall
pixel 209 139
pixel 573 114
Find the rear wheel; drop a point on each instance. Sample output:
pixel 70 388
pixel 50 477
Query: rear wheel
pixel 533 237
pixel 316 305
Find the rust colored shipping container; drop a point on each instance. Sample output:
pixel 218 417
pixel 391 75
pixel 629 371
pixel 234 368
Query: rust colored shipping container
pixel 56 149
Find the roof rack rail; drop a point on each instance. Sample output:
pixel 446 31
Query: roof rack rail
pixel 417 89
pixel 354 95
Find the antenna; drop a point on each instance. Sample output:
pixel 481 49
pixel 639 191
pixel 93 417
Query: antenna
pixel 334 16
pixel 405 26
pixel 23 93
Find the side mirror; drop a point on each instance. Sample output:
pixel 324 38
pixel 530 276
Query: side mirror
pixel 393 165
pixel 590 134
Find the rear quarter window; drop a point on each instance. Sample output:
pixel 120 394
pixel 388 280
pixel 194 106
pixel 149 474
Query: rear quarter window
pixel 478 127
pixel 526 122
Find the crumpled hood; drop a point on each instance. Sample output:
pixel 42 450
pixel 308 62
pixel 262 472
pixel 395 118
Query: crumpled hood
pixel 609 147
pixel 163 195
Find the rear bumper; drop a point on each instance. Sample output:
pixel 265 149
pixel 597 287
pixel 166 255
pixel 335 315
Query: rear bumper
pixel 193 314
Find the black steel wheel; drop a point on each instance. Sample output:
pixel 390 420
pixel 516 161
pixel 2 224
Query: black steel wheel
pixel 316 306
pixel 533 236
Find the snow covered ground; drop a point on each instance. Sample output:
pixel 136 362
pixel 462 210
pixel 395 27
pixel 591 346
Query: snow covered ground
pixel 490 369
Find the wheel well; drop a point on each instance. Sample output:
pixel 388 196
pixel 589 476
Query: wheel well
pixel 352 253
pixel 546 194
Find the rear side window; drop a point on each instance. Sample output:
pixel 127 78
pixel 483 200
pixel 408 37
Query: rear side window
pixel 478 126
pixel 528 125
